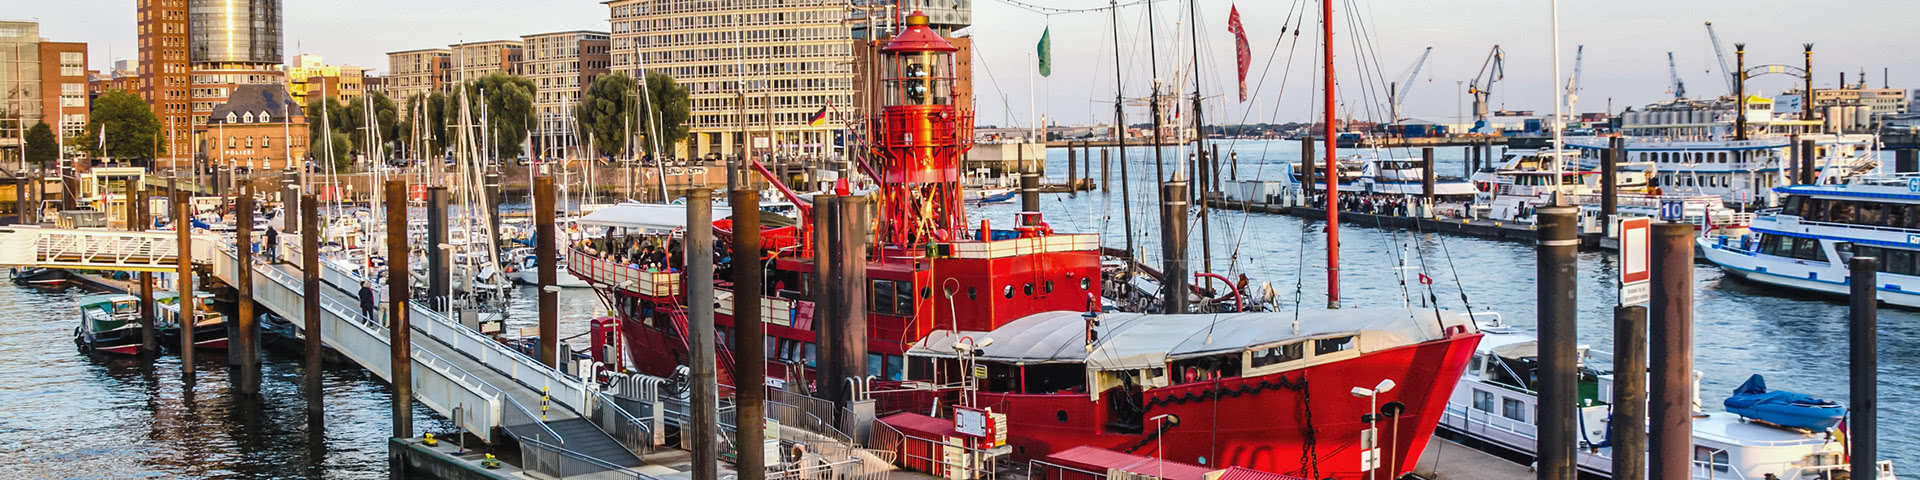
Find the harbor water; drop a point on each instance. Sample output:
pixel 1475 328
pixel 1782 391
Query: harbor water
pixel 74 416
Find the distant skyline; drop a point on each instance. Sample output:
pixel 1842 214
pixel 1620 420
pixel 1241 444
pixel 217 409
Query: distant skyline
pixel 1627 42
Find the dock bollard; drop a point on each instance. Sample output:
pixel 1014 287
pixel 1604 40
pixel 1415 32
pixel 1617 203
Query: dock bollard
pixel 430 441
pixel 490 462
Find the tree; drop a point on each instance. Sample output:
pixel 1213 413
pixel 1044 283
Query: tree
pixel 665 102
pixel 386 118
pixel 131 129
pixel 42 147
pixel 342 156
pixel 602 108
pixel 509 109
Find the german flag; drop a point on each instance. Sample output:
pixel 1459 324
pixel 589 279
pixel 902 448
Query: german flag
pixel 819 118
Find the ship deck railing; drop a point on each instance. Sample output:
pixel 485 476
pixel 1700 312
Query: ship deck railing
pixel 603 271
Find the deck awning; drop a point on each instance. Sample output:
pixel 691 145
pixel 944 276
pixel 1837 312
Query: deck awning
pixel 649 218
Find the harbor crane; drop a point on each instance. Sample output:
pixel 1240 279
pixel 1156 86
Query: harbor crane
pixel 1492 70
pixel 1397 92
pixel 1726 71
pixel 1573 82
pixel 1679 88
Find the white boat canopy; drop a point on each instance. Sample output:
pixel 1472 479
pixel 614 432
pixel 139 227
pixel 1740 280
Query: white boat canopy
pixel 1132 341
pixel 648 218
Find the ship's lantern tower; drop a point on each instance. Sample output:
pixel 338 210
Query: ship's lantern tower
pixel 920 137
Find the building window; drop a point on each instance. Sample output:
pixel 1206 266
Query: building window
pixel 231 118
pixel 249 142
pixel 264 118
pixel 249 119
pixel 266 141
pixel 233 142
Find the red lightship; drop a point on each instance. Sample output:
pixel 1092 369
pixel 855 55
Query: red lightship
pixel 1267 391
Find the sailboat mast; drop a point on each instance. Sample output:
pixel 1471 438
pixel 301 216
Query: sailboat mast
pixel 1200 141
pixel 1120 140
pixel 1333 171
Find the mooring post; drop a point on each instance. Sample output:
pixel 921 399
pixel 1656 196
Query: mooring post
pixel 1073 169
pixel 20 198
pixel 439 280
pixel 547 249
pixel 492 190
pixel 1610 181
pixel 749 347
pixel 1810 168
pixel 399 332
pixel 1863 362
pixel 1235 156
pixel 826 307
pixel 1306 170
pixel 310 294
pixel 1557 295
pixel 1426 176
pixel 1105 179
pixel 289 203
pixel 1213 155
pixel 139 210
pixel 1629 393
pixel 850 263
pixel 1173 246
pixel 183 231
pixel 244 335
pixel 1670 406
pixel 1029 188
pixel 706 393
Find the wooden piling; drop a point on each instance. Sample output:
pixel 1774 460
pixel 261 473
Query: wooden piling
pixel 183 230
pixel 138 210
pixel 244 338
pixel 1610 180
pixel 1073 169
pixel 439 280
pixel 547 251
pixel 1629 434
pixel 1306 167
pixel 1173 247
pixel 1426 174
pixel 1670 405
pixel 1104 178
pixel 1556 295
pixel 706 417
pixel 826 307
pixel 310 294
pixel 1810 167
pixel 750 341
pixel 399 333
pixel 850 270
pixel 1863 363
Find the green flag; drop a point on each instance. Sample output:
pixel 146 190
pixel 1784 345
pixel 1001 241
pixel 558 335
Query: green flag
pixel 1046 52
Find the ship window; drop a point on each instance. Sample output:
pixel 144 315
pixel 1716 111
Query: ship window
pixel 881 297
pixel 1332 345
pixel 1808 249
pixel 876 365
pixel 1717 458
pixel 903 298
pixel 1840 211
pixel 1792 207
pixel 1483 400
pixel 1279 354
pixel 1897 261
pixel 813 355
pixel 1868 213
pixel 1513 409
pixel 1813 209
pixel 895 370
pixel 1776 245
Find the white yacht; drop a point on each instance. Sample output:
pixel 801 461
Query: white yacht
pixel 524 267
pixel 1524 181
pixel 1495 404
pixel 1691 146
pixel 1405 176
pixel 1806 243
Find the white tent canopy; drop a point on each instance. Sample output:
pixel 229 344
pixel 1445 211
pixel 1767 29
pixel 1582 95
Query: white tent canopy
pixel 648 218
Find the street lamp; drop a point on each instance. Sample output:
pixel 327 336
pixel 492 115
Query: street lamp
pixel 1160 441
pixel 1370 449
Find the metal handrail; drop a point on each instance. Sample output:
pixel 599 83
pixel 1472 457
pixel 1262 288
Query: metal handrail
pixel 623 435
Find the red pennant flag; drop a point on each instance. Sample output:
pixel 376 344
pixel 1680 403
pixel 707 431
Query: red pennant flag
pixel 1243 57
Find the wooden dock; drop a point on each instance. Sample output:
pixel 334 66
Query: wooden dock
pixel 1482 228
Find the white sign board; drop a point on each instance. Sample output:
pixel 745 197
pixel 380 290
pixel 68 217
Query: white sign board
pixel 971 422
pixel 1634 273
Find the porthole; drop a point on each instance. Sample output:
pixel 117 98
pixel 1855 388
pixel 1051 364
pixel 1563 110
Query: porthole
pixel 1086 283
pixel 1060 415
pixel 972 294
pixel 1008 291
pixel 926 292
pixel 1027 289
pixel 1047 287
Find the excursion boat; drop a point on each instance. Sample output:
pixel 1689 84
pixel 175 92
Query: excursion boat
pixel 209 326
pixel 1023 306
pixel 1690 147
pixel 524 266
pixel 1524 181
pixel 1496 404
pixel 1805 244
pixel 109 323
pixel 41 277
pixel 1404 176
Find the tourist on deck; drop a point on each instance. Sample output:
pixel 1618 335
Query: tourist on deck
pixel 366 302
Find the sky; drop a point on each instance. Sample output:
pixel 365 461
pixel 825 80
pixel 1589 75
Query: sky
pixel 1625 60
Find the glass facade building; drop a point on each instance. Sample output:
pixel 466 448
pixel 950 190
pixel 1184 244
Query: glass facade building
pixel 235 31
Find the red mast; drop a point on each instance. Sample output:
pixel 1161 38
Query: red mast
pixel 1333 171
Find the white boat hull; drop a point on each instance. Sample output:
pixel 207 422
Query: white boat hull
pixel 1817 277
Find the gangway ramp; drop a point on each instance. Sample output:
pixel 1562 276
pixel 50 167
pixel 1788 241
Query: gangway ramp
pixel 98 249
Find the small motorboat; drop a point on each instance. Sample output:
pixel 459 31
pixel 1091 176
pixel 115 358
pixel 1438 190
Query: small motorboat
pixel 209 326
pixel 109 323
pixel 1787 409
pixel 996 195
pixel 40 277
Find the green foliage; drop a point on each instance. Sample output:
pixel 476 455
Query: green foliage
pixel 42 146
pixel 132 131
pixel 666 103
pixel 614 100
pixel 506 103
pixel 601 109
pixel 325 115
pixel 385 115
pixel 342 156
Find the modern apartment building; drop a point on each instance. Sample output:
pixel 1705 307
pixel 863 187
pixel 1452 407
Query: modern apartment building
pixel 790 57
pixel 310 74
pixel 40 81
pixel 477 59
pixel 417 72
pixel 165 65
pixel 561 65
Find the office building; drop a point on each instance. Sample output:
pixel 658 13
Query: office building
pixel 40 81
pixel 792 57
pixel 310 74
pixel 417 72
pixel 561 65
pixel 165 71
pixel 63 82
pixel 232 43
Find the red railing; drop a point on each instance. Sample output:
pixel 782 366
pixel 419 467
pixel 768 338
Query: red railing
pixel 597 270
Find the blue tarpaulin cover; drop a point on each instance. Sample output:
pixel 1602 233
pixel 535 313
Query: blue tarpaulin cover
pixel 1790 409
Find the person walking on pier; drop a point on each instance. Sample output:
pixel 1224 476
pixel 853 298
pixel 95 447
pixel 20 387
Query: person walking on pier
pixel 366 302
pixel 273 246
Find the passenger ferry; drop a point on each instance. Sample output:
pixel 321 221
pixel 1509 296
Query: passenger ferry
pixel 1689 147
pixel 1496 404
pixel 1805 244
pixel 1524 181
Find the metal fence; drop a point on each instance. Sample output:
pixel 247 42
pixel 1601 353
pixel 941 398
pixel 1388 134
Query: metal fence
pixel 545 452
pixel 631 432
